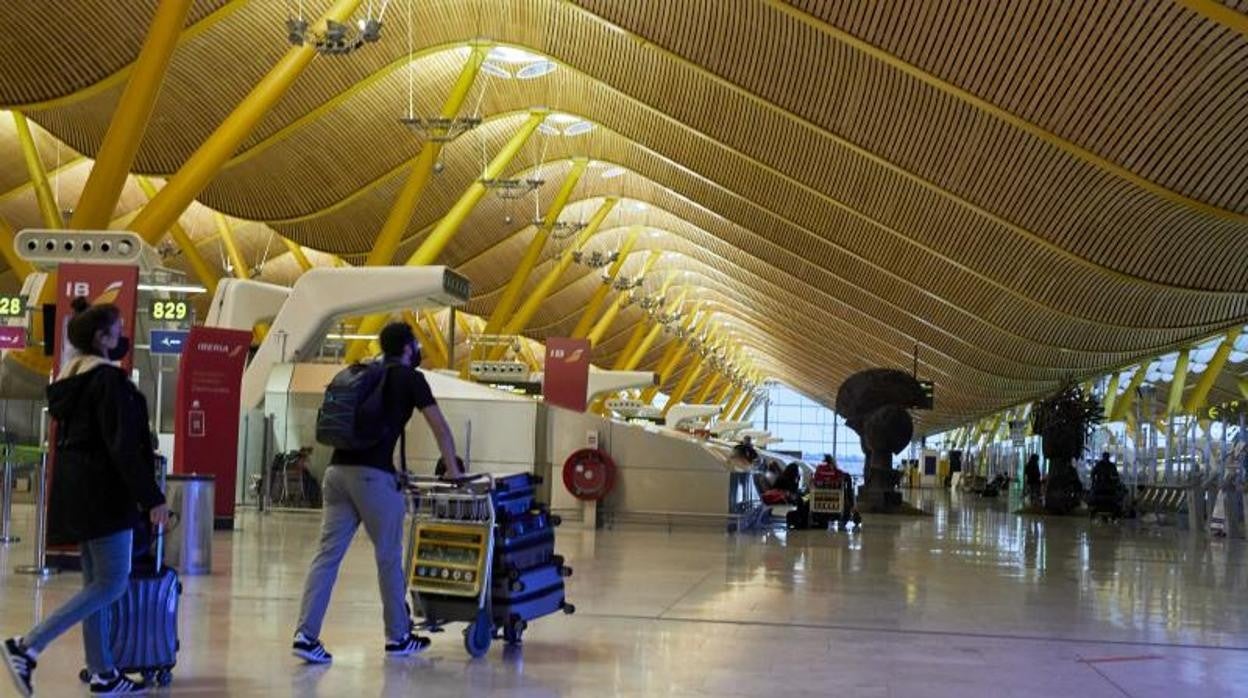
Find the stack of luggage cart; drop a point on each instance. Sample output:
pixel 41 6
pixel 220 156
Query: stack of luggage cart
pixel 482 551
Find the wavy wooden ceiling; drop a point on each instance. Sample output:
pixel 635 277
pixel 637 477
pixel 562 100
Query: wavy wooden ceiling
pixel 1028 190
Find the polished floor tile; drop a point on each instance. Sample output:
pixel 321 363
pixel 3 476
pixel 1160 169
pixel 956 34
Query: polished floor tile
pixel 971 601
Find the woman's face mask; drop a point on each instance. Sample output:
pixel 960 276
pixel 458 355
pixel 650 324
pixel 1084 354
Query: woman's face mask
pixel 119 351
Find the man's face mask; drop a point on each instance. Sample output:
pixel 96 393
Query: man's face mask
pixel 416 358
pixel 119 352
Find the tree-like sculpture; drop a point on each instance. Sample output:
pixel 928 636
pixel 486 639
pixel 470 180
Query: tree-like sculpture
pixel 874 404
pixel 1064 423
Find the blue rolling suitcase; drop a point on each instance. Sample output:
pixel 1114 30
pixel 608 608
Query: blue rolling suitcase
pixel 532 594
pixel 515 494
pixel 143 624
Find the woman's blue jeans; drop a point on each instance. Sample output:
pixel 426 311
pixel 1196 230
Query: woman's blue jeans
pixel 106 576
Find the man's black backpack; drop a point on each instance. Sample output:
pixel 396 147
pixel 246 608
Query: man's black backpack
pixel 351 417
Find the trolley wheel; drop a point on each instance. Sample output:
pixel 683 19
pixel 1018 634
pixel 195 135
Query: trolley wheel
pixel 555 519
pixel 164 677
pixel 84 676
pixel 513 631
pixel 568 608
pixel 557 560
pixel 149 678
pixel 565 571
pixel 479 635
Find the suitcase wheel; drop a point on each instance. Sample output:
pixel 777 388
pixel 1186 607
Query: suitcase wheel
pixel 478 635
pixel 565 571
pixel 567 608
pixel 555 519
pixel 513 631
pixel 557 560
pixel 84 676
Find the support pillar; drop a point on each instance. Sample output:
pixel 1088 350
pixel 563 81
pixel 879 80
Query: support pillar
pixel 446 228
pixel 199 266
pixel 600 294
pixel 49 213
pixel 231 247
pixel 1200 394
pixel 296 251
pixel 121 142
pixel 206 162
pixel 418 178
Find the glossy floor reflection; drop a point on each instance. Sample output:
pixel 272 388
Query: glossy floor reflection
pixel 972 601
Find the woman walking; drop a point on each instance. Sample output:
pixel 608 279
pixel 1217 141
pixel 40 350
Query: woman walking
pixel 104 482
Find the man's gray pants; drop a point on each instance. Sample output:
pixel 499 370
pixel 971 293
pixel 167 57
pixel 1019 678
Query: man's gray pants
pixel 352 495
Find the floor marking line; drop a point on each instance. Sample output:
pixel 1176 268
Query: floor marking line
pixel 1108 680
pixel 1111 660
pixel 915 631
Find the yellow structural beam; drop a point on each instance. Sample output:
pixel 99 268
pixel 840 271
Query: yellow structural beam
pixel 1124 402
pixel 199 266
pixel 529 308
pixel 1175 403
pixel 507 302
pixel 604 322
pixel 439 340
pixel 707 389
pixel 296 251
pixel 231 247
pixel 21 268
pixel 1200 394
pixel 730 401
pixel 724 393
pixel 600 294
pixel 686 382
pixel 125 132
pixel 48 211
pixel 428 346
pixel 1111 393
pixel 450 223
pixel 676 354
pixel 446 228
pixel 1243 386
pixel 204 164
pixel 405 203
pixel 634 352
pixel 1219 12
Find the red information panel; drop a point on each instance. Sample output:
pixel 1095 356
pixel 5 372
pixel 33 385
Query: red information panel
pixel 98 283
pixel 566 382
pixel 206 424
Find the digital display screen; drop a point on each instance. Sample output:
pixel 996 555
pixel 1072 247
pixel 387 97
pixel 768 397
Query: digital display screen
pixel 170 310
pixel 11 306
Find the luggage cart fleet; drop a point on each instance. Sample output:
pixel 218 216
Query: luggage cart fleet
pixel 481 551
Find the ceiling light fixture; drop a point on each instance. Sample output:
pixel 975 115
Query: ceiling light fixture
pixel 613 172
pixel 337 38
pixel 512 188
pixel 536 70
pixel 439 129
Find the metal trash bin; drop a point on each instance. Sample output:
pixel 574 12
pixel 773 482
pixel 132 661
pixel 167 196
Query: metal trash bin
pixel 188 547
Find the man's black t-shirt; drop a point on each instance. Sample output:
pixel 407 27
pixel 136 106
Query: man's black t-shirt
pixel 405 390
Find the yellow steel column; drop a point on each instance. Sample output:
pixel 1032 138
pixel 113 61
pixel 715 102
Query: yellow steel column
pixel 439 340
pixel 1200 394
pixel 1111 394
pixel 426 342
pixel 723 394
pixel 705 392
pixel 516 284
pixel 409 196
pixel 200 266
pixel 730 401
pixel 446 228
pixel 529 308
pixel 21 268
pixel 604 323
pixel 686 382
pixel 634 340
pixel 125 132
pixel 633 353
pixel 48 211
pixel 1175 403
pixel 677 354
pixel 207 160
pixel 600 294
pixel 1127 398
pixel 297 252
pixel 747 397
pixel 231 248
pixel 1243 386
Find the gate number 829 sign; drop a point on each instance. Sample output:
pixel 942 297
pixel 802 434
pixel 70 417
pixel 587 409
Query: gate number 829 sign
pixel 170 311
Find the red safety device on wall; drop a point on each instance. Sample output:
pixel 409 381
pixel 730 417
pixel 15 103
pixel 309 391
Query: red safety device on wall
pixel 589 474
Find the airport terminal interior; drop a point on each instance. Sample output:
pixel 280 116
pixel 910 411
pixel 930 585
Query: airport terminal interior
pixel 792 347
